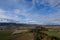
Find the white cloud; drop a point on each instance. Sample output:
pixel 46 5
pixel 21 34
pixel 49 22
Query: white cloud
pixel 31 18
pixel 7 15
pixel 39 19
pixel 21 9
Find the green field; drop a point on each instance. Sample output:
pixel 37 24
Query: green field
pixel 7 36
pixel 53 33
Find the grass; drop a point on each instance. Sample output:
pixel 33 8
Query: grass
pixel 53 33
pixel 4 36
pixel 7 36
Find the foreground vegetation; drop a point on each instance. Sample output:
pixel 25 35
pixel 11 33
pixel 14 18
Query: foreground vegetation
pixel 9 36
pixel 45 34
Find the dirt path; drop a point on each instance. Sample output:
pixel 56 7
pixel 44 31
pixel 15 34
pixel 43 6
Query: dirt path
pixel 29 36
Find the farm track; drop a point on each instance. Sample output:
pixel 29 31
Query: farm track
pixel 28 36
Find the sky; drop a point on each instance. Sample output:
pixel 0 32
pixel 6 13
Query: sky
pixel 31 11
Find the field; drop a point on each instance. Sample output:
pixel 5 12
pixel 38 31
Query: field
pixel 10 36
pixel 36 33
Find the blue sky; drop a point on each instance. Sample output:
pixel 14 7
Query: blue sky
pixel 31 11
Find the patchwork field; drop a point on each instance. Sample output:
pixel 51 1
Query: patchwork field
pixel 36 33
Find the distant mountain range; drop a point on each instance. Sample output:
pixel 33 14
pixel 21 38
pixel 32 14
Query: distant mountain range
pixel 2 20
pixel 9 22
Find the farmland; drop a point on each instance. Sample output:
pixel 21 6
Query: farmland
pixel 31 33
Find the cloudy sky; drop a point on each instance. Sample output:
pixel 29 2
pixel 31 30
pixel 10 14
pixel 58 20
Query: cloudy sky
pixel 31 11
